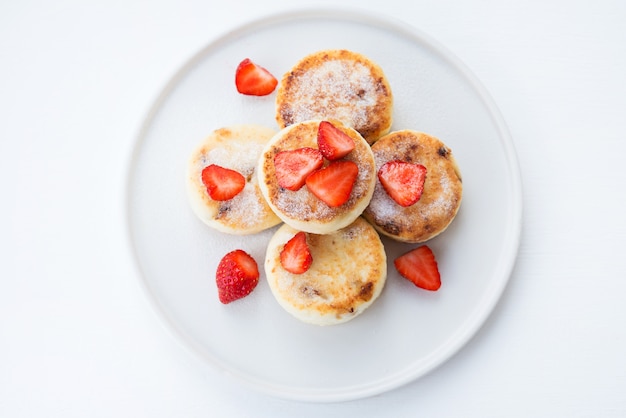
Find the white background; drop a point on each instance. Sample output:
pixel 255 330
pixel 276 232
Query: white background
pixel 78 336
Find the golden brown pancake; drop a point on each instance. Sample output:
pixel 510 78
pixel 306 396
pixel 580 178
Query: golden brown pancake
pixel 237 148
pixel 302 209
pixel 346 276
pixel 440 200
pixel 337 84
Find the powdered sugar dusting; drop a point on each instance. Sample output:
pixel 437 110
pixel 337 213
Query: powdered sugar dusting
pixel 339 89
pixel 382 206
pixel 245 209
pixel 238 156
pixel 443 203
pixel 248 208
pixel 302 205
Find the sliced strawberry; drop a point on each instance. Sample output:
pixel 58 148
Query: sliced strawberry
pixel 237 275
pixel 333 184
pixel 292 167
pixel 403 181
pixel 332 142
pixel 222 183
pixel 254 80
pixel 295 256
pixel 420 267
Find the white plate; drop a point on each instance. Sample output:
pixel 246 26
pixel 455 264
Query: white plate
pixel 407 332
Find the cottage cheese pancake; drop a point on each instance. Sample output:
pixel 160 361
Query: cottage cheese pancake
pixel 346 276
pixel 337 84
pixel 442 192
pixel 236 148
pixel 302 209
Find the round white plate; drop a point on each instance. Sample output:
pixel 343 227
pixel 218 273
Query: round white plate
pixel 407 332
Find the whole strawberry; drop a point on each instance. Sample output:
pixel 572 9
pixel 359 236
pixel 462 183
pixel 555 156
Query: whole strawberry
pixel 237 275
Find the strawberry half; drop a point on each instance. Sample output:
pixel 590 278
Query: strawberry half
pixel 420 267
pixel 237 275
pixel 332 142
pixel 333 184
pixel 403 181
pixel 222 183
pixel 254 80
pixel 295 256
pixel 292 167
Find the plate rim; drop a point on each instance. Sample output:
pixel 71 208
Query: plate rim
pixel 505 267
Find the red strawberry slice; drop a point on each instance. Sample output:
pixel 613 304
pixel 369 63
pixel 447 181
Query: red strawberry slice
pixel 333 184
pixel 254 80
pixel 222 183
pixel 420 267
pixel 295 256
pixel 332 142
pixel 292 167
pixel 403 181
pixel 237 275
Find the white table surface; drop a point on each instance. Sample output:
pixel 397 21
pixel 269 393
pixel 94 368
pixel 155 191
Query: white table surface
pixel 78 337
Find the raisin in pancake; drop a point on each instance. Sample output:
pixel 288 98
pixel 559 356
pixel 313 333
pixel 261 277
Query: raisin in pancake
pixel 441 197
pixel 337 84
pixel 302 209
pixel 237 148
pixel 346 276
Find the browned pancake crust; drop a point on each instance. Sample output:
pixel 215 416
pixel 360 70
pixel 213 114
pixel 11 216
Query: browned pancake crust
pixel 442 194
pixel 348 273
pixel 337 84
pixel 302 209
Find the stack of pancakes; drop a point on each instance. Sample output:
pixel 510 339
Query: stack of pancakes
pixel 349 266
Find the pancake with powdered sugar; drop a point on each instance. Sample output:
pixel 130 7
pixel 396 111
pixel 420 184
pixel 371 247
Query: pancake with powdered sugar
pixel 441 196
pixel 237 148
pixel 337 84
pixel 302 209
